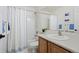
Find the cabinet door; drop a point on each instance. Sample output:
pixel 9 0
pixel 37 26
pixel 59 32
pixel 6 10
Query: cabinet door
pixel 50 47
pixel 42 45
pixel 58 49
pixel 53 48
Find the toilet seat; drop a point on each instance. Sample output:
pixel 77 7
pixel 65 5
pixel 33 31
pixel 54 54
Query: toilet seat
pixel 34 43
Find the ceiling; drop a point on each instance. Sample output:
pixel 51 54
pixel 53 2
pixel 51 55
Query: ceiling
pixel 41 8
pixel 46 8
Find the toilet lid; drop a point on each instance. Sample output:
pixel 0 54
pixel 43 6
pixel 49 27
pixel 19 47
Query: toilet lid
pixel 34 43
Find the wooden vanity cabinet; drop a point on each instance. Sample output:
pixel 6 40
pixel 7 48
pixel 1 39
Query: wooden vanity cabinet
pixel 58 49
pixel 49 47
pixel 42 48
pixel 53 48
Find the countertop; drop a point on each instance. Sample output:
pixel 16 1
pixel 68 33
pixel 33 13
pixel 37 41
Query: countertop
pixel 70 44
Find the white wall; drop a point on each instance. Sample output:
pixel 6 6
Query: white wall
pixel 73 15
pixel 42 21
pixel 53 22
pixel 76 17
pixel 31 29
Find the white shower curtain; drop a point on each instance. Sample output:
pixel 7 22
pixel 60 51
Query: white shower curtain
pixel 22 29
pixel 11 34
pixel 17 30
pixel 31 30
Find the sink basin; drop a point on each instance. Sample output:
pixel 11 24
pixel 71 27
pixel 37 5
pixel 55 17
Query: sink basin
pixel 57 37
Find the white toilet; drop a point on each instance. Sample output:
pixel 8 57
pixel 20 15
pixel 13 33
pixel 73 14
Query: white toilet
pixel 33 46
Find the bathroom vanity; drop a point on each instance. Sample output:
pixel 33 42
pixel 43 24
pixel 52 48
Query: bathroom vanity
pixel 46 46
pixel 52 45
